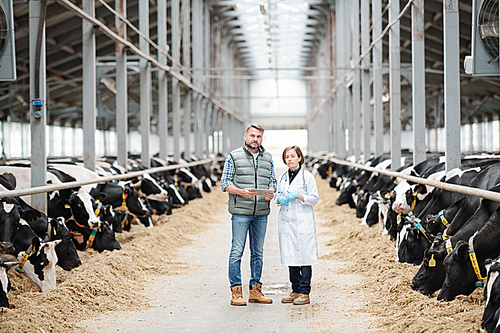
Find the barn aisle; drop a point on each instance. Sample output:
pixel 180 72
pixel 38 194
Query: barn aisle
pixel 196 299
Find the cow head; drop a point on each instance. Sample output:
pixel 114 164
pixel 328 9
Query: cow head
pixel 431 274
pixel 460 277
pixel 491 295
pixel 346 194
pixel 40 266
pixel 9 223
pixel 362 203
pixel 80 205
pixel 372 213
pixel 67 255
pixel 105 239
pixel 406 196
pixel 412 242
pixel 6 262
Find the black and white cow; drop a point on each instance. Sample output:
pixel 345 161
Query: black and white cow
pixel 9 223
pixel 41 257
pixel 460 275
pixel 78 207
pixel 6 262
pixel 117 194
pixel 491 320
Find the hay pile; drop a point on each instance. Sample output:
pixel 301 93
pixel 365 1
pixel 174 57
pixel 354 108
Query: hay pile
pixel 386 291
pixel 109 281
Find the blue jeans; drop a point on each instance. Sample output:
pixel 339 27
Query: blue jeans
pixel 256 227
pixel 300 277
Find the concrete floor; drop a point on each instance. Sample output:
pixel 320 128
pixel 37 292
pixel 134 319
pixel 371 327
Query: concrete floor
pixel 199 301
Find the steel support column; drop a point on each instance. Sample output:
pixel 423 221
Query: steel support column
pixel 186 57
pixel 89 101
pixel 378 105
pixel 395 87
pixel 197 63
pixel 38 121
pixel 339 116
pixel 451 40
pixel 418 81
pixel 121 86
pixel 145 81
pixel 356 102
pixel 365 79
pixel 176 89
pixel 480 134
pixel 162 80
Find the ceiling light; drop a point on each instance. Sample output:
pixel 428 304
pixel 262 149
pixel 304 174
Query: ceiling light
pixel 252 9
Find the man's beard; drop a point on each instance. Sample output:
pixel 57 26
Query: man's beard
pixel 252 147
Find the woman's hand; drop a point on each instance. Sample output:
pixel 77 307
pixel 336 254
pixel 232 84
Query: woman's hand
pixel 283 200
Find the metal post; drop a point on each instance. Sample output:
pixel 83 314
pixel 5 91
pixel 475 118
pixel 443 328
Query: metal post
pixel 365 79
pixel 489 135
pixel 186 57
pixel 162 80
pixel 480 134
pixel 38 124
pixel 176 89
pixel 89 101
pixel 395 87
pixel 145 81
pixel 356 103
pixel 437 121
pixel 378 105
pixel 6 137
pixel 340 15
pixel 121 86
pixel 451 40
pixel 418 81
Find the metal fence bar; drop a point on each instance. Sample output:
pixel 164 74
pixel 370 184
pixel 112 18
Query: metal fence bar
pixel 50 188
pixel 485 194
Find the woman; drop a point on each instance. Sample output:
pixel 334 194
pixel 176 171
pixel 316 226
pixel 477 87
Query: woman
pixel 297 193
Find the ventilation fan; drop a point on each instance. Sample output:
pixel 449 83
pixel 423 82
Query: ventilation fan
pixel 7 48
pixel 485 35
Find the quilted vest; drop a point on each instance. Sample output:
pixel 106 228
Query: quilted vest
pixel 247 176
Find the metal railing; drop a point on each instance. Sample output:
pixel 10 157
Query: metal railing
pixel 50 188
pixel 485 194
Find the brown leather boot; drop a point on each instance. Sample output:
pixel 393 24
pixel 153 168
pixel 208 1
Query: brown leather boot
pixel 237 299
pixel 290 298
pixel 256 295
pixel 301 300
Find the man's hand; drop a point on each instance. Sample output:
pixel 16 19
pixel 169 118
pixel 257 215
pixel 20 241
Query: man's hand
pixel 247 193
pixel 269 196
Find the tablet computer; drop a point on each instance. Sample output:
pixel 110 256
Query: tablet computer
pixel 261 191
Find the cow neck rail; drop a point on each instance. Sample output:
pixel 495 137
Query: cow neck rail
pixel 64 186
pixel 485 194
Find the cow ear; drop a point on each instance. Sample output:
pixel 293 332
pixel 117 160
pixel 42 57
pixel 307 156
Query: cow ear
pixel 462 249
pixel 100 196
pixel 35 245
pixel 63 203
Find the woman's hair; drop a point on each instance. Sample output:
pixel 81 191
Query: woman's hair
pixel 297 150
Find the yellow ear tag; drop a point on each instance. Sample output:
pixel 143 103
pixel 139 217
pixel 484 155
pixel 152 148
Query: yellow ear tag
pixel 387 196
pixel 432 262
pixel 415 193
pixel 67 206
pixel 54 230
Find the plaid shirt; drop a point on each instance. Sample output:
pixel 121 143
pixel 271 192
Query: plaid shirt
pixel 228 174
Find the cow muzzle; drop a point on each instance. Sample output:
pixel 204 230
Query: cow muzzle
pixel 94 224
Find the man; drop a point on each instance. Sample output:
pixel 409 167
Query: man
pixel 248 167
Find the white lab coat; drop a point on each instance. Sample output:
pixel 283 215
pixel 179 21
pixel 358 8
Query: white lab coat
pixel 296 226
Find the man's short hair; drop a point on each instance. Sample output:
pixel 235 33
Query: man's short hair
pixel 256 126
pixel 297 150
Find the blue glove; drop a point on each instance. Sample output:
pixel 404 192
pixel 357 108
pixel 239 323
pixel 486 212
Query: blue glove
pixel 292 196
pixel 283 200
